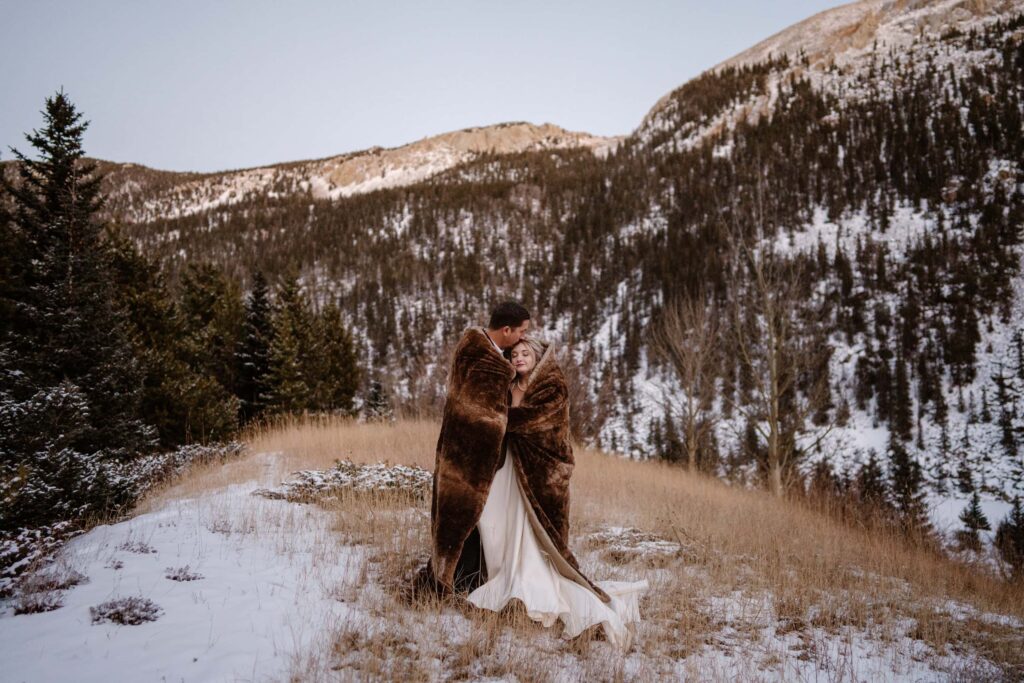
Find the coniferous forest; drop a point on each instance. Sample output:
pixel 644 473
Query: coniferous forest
pixel 822 296
pixel 104 363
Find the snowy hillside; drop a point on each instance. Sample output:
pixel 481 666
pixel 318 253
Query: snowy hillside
pixel 229 580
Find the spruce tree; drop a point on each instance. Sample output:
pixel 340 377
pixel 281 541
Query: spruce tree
pixel 1018 342
pixel 1008 436
pixel 656 439
pixel 960 348
pixel 872 488
pixel 974 521
pixel 71 328
pixel 901 420
pixel 290 379
pixel 73 386
pixel 253 357
pixel 1009 540
pixel 964 475
pixel 674 451
pixel 11 267
pixel 907 482
pixel 213 316
pixel 377 406
pixel 183 404
pixel 337 371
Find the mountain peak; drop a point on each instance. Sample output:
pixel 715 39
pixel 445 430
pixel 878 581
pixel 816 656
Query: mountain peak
pixel 851 28
pixel 850 33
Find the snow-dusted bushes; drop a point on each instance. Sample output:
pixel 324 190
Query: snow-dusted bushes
pixel 129 611
pixel 44 476
pixel 320 485
pixel 182 574
pixel 44 590
pixel 27 545
pixel 28 548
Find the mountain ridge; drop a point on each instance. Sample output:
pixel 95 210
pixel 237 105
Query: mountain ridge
pixel 175 193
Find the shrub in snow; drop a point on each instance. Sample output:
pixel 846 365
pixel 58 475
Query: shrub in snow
pixel 53 578
pixel 129 611
pixel 46 476
pixel 43 590
pixel 622 545
pixel 220 526
pixel 138 547
pixel 314 485
pixel 30 548
pixel 145 473
pixel 182 574
pixel 42 601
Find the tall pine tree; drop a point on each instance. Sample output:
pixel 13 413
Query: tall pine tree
pixel 291 381
pixel 73 402
pixel 253 356
pixel 974 521
pixel 213 315
pixel 907 483
pixel 337 370
pixel 183 403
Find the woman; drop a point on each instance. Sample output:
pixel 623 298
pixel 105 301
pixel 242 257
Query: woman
pixel 524 526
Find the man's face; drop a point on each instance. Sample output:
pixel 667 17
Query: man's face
pixel 512 335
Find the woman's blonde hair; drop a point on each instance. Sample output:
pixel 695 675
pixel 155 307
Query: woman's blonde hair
pixel 536 345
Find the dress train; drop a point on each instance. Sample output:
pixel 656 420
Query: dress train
pixel 518 567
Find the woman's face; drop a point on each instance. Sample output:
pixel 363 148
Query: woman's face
pixel 523 359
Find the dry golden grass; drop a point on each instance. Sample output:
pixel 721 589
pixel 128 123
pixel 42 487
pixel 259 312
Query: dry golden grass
pixel 779 564
pixel 316 442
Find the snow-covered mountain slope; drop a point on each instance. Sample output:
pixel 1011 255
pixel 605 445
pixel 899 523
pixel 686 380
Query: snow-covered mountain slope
pixel 831 48
pixel 843 34
pixel 864 55
pixel 140 194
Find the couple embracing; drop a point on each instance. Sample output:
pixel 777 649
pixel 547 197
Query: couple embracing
pixel 500 502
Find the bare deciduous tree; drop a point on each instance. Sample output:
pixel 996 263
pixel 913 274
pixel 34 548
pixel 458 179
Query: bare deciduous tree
pixel 583 410
pixel 789 382
pixel 687 340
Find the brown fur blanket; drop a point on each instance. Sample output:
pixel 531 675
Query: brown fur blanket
pixel 539 441
pixel 469 452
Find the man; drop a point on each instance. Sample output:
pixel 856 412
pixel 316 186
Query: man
pixel 469 445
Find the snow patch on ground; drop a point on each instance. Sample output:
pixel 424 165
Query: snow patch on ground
pixel 268 568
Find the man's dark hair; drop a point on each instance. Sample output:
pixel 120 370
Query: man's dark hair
pixel 508 313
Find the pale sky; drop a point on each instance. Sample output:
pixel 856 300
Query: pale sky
pixel 205 86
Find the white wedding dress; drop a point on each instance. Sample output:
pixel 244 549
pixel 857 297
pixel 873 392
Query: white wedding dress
pixel 518 567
